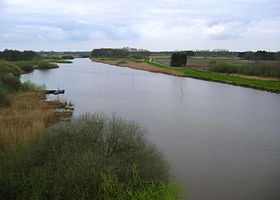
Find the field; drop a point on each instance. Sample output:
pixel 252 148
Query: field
pixel 200 70
pixel 262 69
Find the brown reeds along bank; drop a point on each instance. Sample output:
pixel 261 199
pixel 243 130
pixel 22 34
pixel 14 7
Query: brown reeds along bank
pixel 91 157
pixel 26 117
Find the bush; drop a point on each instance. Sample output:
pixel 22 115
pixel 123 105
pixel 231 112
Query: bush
pixel 46 65
pixel 9 68
pixel 67 57
pixel 10 82
pixel 26 67
pixel 78 159
pixel 4 100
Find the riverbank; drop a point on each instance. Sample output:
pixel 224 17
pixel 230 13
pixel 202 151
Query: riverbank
pixel 92 156
pixel 266 85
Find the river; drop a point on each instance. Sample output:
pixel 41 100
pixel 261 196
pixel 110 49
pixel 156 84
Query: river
pixel 222 141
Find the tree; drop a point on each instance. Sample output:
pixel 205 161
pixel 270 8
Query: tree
pixel 178 59
pixel 15 55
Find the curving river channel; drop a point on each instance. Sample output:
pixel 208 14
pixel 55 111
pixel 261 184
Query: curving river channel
pixel 222 141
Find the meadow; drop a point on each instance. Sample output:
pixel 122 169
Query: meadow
pixel 229 65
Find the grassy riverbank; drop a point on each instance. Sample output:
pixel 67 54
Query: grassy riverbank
pixel 256 83
pixel 89 157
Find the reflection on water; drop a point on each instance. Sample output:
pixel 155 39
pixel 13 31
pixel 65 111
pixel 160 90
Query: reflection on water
pixel 222 141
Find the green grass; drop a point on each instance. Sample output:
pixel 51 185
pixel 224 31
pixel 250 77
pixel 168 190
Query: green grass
pixel 136 188
pixel 29 86
pixel 91 157
pixel 67 57
pixel 61 61
pixel 46 65
pixel 268 85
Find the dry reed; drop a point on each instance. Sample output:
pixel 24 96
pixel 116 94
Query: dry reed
pixel 26 117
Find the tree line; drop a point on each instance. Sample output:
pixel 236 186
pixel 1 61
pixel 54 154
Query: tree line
pixel 201 53
pixel 125 52
pixel 15 55
pixel 259 55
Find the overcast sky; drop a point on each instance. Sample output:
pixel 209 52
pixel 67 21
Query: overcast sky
pixel 150 24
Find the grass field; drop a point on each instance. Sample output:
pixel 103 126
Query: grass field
pixel 268 85
pixel 207 61
pixel 198 73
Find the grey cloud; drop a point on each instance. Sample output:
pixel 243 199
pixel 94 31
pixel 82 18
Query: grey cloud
pixel 157 24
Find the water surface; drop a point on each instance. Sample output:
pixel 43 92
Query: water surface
pixel 222 141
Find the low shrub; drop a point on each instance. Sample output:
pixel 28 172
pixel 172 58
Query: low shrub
pixel 91 157
pixel 9 81
pixel 6 67
pixel 67 57
pixel 26 68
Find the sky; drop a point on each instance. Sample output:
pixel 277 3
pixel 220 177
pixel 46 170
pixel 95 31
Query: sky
pixel 59 25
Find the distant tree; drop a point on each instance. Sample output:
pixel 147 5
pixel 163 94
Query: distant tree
pixel 184 59
pixel 121 53
pixel 178 59
pixel 15 55
pixel 259 55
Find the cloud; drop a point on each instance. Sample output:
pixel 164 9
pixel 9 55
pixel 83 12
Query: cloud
pixel 153 24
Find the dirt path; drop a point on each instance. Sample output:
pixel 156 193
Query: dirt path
pixel 138 65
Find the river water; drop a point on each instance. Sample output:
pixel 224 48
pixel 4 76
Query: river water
pixel 222 141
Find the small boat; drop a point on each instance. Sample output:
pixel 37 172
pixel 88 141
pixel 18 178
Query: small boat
pixel 54 92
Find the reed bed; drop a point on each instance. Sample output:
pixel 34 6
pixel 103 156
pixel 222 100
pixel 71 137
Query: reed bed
pixel 26 118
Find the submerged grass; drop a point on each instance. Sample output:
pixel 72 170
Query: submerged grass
pixel 91 157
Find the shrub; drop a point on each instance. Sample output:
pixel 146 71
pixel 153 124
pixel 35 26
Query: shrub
pixel 9 81
pixel 67 57
pixel 9 68
pixel 78 159
pixel 4 100
pixel 26 67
